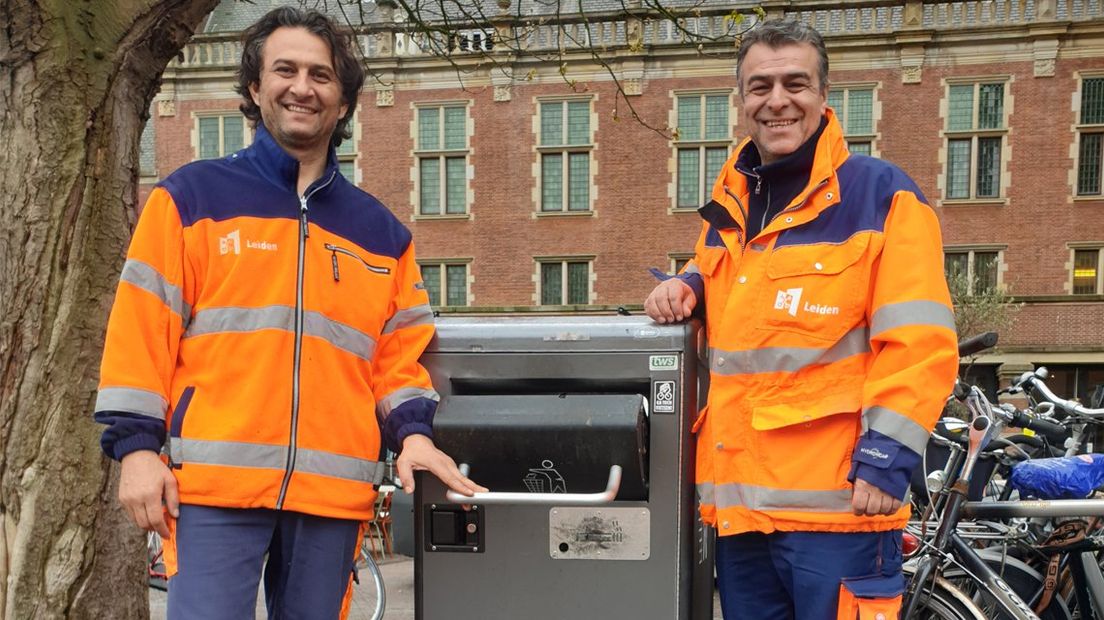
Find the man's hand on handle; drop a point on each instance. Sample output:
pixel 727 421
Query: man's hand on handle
pixel 672 301
pixel 419 453
pixel 146 488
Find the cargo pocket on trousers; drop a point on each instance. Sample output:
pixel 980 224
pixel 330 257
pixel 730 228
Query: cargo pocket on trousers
pixel 877 597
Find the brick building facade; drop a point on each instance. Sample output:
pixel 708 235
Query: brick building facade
pixel 523 192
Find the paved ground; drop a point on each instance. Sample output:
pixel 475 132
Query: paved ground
pixel 398 576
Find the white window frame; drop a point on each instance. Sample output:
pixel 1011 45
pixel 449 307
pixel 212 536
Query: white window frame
pixel 971 251
pixel 351 155
pixel 222 115
pixel 974 135
pixel 673 259
pixel 444 264
pixel 565 151
pixel 875 114
pixel 678 143
pixel 563 261
pixel 442 155
pixel 1082 129
pixel 1073 248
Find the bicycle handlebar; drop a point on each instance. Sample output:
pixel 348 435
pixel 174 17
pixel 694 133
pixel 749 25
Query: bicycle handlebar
pixel 1056 433
pixel 976 344
pixel 1030 381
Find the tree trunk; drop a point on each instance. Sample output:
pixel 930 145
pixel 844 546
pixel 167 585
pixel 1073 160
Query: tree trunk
pixel 76 81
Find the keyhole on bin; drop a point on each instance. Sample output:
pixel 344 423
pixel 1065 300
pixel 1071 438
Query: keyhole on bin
pixel 563 547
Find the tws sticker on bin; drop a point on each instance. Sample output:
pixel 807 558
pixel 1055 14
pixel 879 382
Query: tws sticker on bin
pixel 663 362
pixel 663 396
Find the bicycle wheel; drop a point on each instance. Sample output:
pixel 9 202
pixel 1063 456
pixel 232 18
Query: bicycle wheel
pixel 1025 581
pixel 941 601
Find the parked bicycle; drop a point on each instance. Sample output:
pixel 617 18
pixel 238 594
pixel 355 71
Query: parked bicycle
pixel 964 568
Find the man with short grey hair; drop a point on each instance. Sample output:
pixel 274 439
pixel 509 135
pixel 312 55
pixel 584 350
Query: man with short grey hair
pixel 832 347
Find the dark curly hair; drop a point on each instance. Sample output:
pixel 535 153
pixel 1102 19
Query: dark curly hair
pixel 348 68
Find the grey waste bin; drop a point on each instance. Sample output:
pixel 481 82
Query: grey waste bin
pixel 581 429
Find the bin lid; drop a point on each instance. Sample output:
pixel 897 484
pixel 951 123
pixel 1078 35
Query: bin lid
pixel 556 333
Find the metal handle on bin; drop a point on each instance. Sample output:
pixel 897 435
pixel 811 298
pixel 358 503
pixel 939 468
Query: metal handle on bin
pixel 542 499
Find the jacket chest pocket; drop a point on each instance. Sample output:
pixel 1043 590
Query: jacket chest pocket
pixel 818 290
pixel 361 286
pixel 340 256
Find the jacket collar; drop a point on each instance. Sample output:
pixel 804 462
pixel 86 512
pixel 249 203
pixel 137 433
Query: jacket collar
pixel 830 152
pixel 279 167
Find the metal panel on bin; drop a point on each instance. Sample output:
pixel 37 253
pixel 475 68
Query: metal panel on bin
pixel 590 417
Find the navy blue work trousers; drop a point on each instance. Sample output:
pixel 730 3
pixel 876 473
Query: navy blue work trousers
pixel 797 575
pixel 221 552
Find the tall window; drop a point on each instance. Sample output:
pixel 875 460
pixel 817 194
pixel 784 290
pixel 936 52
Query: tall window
pixel 442 159
pixel 147 150
pixel 977 270
pixel 565 144
pixel 564 282
pixel 346 159
pixel 1086 271
pixel 854 108
pixel 704 137
pixel 1090 159
pixel 447 282
pixel 220 134
pixel 975 136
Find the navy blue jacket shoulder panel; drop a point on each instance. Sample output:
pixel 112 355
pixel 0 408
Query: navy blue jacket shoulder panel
pixel 867 187
pixel 234 186
pixel 352 213
pixel 222 189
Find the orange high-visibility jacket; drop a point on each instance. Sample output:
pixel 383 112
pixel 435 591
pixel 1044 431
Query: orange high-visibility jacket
pixel 832 345
pixel 269 335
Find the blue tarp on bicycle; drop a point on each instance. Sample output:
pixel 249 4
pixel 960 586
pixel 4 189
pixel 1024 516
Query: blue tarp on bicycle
pixel 1068 477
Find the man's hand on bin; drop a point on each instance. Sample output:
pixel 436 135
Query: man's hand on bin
pixel 146 488
pixel 672 301
pixel 419 453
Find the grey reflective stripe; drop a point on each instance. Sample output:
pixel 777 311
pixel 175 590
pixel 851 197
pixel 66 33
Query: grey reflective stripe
pixel 787 359
pixel 132 400
pixel 911 313
pixel 229 320
pixel 266 456
pixel 418 315
pixel 339 466
pixel 400 396
pixel 149 279
pixel 339 335
pixel 705 492
pixel 223 320
pixel 895 426
pixel 691 268
pixel 764 498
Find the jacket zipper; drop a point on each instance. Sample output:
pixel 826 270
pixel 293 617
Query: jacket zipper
pixel 758 178
pixel 786 210
pixel 743 212
pixel 336 250
pixel 304 233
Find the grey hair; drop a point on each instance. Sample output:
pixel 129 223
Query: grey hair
pixel 776 33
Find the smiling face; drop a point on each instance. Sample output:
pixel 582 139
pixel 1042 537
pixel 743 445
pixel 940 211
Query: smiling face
pixel 299 93
pixel 783 97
